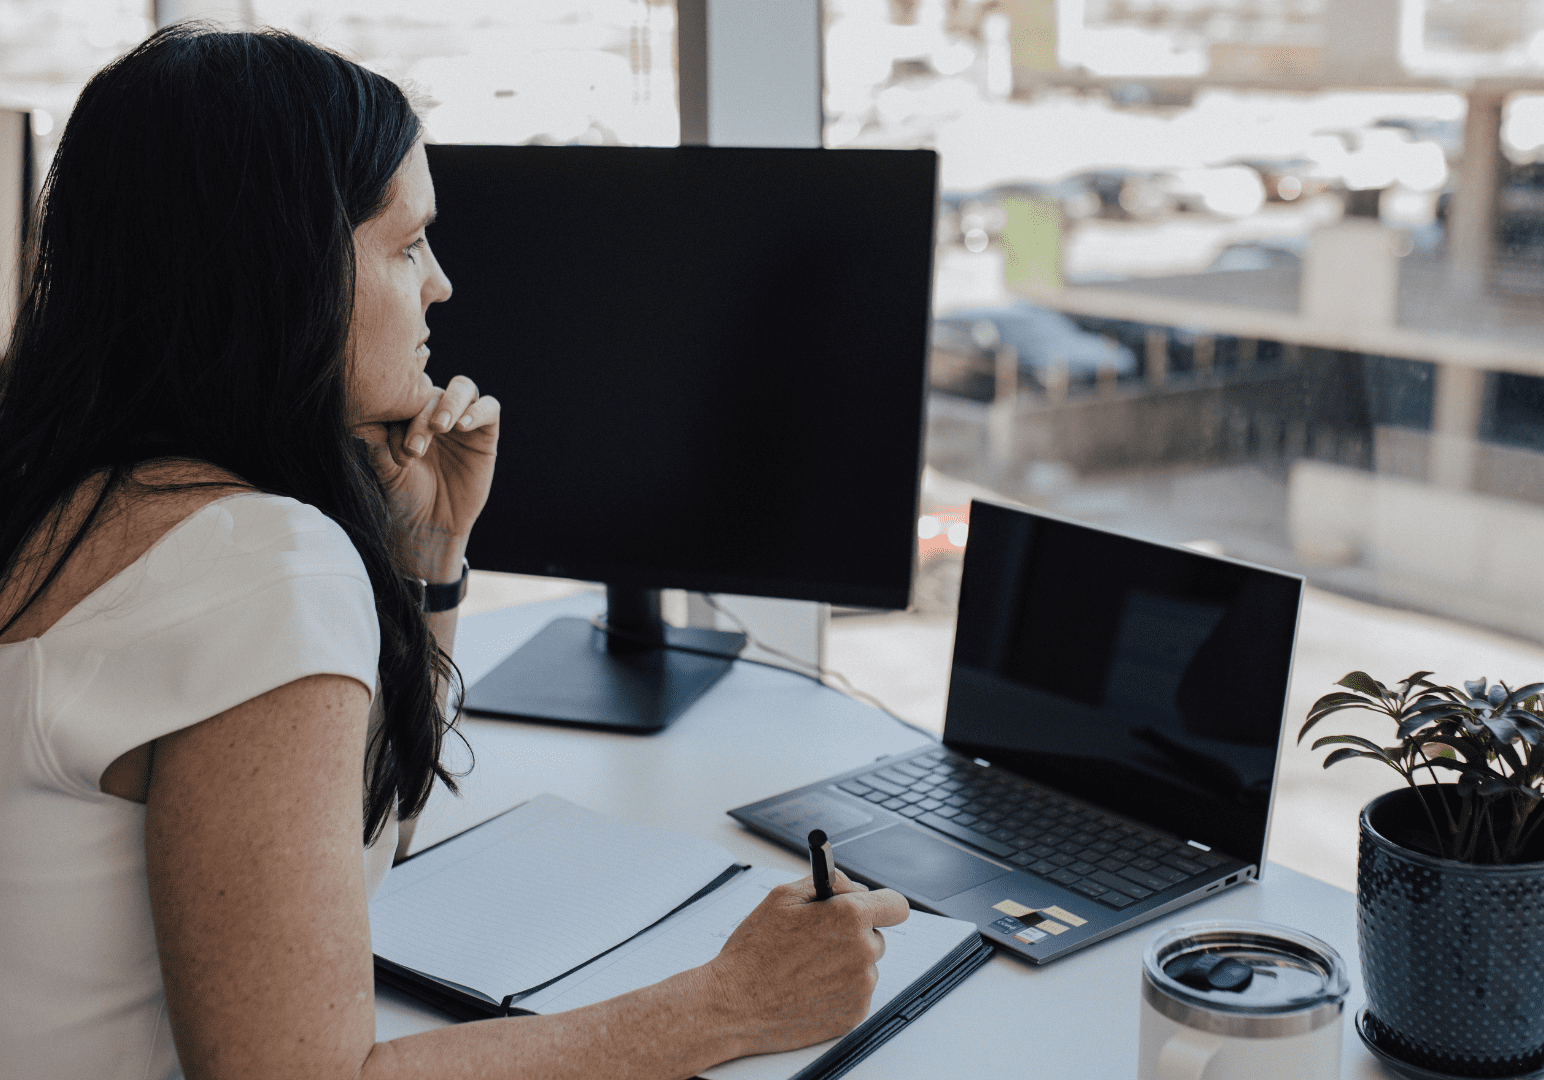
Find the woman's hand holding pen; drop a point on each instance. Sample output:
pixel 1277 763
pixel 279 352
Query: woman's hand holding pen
pixel 798 971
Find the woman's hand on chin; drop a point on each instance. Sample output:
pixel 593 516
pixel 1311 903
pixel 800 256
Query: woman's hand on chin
pixel 436 468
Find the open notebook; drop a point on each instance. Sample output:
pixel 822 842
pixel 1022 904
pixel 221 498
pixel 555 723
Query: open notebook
pixel 550 907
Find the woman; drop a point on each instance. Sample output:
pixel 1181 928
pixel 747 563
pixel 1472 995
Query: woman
pixel 223 470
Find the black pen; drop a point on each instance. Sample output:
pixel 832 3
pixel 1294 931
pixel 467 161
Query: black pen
pixel 822 864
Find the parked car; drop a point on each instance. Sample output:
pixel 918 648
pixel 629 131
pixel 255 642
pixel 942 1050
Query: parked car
pixel 1050 347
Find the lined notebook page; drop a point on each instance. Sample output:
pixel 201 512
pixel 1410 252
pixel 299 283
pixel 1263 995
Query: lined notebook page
pixel 696 935
pixel 534 893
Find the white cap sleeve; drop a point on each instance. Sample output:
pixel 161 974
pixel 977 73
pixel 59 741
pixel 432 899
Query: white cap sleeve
pixel 250 593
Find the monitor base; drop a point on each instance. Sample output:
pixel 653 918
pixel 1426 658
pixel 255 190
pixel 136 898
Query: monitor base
pixel 574 673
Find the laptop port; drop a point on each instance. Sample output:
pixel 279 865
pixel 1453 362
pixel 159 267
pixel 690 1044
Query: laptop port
pixel 1232 880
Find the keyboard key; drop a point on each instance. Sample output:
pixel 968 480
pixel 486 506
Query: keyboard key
pixel 1069 848
pixel 895 776
pixel 1116 900
pixel 949 785
pixel 1088 888
pixel 1022 843
pixel 1082 869
pixel 1156 851
pixel 1142 862
pixel 1113 836
pixel 1181 863
pixel 1144 879
pixel 911 811
pixel 876 796
pixel 957 801
pixel 1122 855
pixel 1065 877
pixel 1081 839
pixel 914 771
pixel 945 811
pixel 1112 866
pixel 1021 859
pixel 1169 874
pixel 932 804
pixel 853 787
pixel 893 804
pixel 1132 843
pixel 1207 858
pixel 970 836
pixel 1103 847
pixel 1044 867
pixel 1130 888
pixel 994 816
pixel 1062 860
pixel 1042 851
pixel 964 819
pixel 878 783
pixel 913 797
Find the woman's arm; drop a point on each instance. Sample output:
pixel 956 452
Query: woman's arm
pixel 257 889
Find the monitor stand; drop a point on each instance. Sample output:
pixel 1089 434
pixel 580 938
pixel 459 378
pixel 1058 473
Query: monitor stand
pixel 634 679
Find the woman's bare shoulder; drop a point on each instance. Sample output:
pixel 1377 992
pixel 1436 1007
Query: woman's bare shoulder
pixel 143 507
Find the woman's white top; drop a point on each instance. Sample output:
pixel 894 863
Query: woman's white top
pixel 249 593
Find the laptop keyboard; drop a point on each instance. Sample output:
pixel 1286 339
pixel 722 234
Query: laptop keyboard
pixel 1072 844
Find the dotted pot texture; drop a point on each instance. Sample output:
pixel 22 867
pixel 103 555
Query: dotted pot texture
pixel 1452 953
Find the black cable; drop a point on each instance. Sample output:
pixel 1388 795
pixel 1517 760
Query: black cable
pixel 852 692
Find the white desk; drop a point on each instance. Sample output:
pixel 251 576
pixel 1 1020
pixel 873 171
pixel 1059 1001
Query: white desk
pixel 759 732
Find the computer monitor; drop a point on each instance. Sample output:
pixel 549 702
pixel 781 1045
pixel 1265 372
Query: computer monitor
pixel 712 363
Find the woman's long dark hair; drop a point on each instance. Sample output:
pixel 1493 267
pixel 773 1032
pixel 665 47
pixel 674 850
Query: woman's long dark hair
pixel 188 293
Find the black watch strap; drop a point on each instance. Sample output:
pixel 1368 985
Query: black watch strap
pixel 437 598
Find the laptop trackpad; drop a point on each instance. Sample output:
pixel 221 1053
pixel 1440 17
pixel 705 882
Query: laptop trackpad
pixel 911 861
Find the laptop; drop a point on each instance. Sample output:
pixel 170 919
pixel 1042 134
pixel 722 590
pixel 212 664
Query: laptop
pixel 1110 743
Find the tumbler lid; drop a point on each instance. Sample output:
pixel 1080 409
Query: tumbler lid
pixel 1244 978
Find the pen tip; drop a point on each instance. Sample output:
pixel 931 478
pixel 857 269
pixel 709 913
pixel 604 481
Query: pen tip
pixel 817 837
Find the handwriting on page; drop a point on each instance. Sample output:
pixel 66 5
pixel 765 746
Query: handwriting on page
pixel 534 893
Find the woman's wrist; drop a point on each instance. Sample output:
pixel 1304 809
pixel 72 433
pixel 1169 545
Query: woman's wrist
pixel 441 563
pixel 707 1015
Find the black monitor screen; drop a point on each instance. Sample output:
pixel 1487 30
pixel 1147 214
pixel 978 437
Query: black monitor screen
pixel 711 361
pixel 1147 679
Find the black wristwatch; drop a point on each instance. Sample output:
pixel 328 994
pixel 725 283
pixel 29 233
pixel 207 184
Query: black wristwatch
pixel 437 598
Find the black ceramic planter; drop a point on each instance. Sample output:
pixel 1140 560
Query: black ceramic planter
pixel 1452 953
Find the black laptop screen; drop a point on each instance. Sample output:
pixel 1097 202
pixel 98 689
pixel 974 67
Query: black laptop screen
pixel 1147 679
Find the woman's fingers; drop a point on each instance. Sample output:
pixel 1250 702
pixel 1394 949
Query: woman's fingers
pixel 458 407
pixel 881 907
pixel 416 436
pixel 454 402
pixel 480 414
pixel 841 883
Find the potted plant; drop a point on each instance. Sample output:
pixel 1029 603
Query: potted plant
pixel 1450 876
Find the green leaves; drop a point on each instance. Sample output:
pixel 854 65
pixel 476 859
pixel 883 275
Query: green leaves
pixel 1364 683
pixel 1491 736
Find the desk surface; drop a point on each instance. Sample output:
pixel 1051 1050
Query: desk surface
pixel 759 732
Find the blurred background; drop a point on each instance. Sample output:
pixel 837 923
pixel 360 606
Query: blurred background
pixel 1261 276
